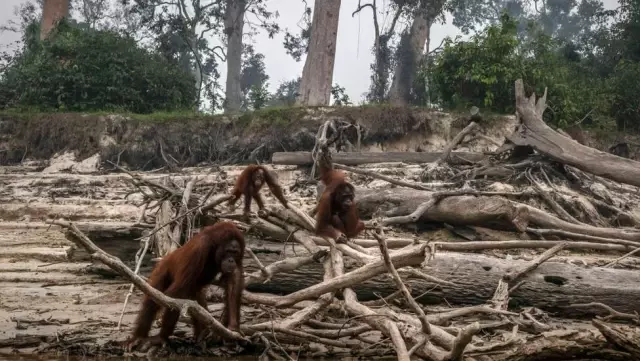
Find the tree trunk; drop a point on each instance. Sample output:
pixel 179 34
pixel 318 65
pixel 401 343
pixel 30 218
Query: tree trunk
pixel 52 12
pixel 494 212
pixel 317 74
pixel 533 132
pixel 491 212
pixel 357 158
pixel 234 24
pixel 196 70
pixel 410 51
pixel 552 286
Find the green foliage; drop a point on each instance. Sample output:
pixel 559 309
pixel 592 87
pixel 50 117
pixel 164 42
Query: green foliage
pixel 624 88
pixel 253 80
pixel 84 69
pixel 258 96
pixel 482 72
pixel 286 93
pixel 340 96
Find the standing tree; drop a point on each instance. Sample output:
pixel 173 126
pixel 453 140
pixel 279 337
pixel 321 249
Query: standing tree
pixel 253 80
pixel 192 22
pixel 233 26
pixel 411 49
pixel 237 14
pixel 317 74
pixel 381 48
pixel 52 12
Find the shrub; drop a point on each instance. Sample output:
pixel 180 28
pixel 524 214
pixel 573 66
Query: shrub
pixel 87 70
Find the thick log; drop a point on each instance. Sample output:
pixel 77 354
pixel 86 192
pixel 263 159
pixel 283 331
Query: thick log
pixel 491 212
pixel 97 231
pixel 534 133
pixel 494 212
pixel 357 158
pixel 552 286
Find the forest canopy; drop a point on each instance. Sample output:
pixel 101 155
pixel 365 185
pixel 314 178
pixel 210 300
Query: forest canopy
pixel 164 59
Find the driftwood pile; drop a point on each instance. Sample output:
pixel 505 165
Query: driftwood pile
pixel 366 298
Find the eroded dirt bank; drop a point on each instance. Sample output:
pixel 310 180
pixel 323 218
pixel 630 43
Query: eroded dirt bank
pixel 155 141
pixel 151 143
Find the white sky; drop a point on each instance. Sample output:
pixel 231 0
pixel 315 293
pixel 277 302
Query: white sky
pixel 353 53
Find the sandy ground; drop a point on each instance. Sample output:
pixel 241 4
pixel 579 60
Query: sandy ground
pixel 44 294
pixel 38 282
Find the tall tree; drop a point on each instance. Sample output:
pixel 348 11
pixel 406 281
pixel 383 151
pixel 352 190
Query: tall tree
pixel 193 22
pixel 317 74
pixel 381 47
pixel 233 26
pixel 253 80
pixel 52 12
pixel 411 50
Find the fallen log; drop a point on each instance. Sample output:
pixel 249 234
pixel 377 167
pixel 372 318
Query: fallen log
pixel 97 231
pixel 491 212
pixel 553 286
pixel 496 212
pixel 534 133
pixel 357 158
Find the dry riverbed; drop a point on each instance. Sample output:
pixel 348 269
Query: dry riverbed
pixel 50 291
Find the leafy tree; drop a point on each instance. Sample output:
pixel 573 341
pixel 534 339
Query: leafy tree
pixel 340 97
pixel 624 89
pixel 285 94
pixel 253 79
pixel 482 71
pixel 297 45
pixel 193 25
pixel 472 15
pixel 258 96
pixel 86 69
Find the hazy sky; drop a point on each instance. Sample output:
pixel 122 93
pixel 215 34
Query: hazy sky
pixel 353 53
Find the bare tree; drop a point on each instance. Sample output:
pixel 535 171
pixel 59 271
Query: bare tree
pixel 381 49
pixel 317 74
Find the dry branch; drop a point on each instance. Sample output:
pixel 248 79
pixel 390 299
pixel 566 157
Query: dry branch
pixel 426 327
pixel 627 340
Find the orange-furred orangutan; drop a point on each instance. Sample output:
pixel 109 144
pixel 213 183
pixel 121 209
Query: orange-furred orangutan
pixel 337 213
pixel 186 271
pixel 249 183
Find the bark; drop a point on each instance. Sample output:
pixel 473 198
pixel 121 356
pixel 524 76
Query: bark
pixel 494 212
pixel 52 12
pixel 533 132
pixel 234 24
pixel 552 286
pixel 197 67
pixel 317 74
pixel 162 238
pixel 409 53
pixel 357 158
pixel 622 336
